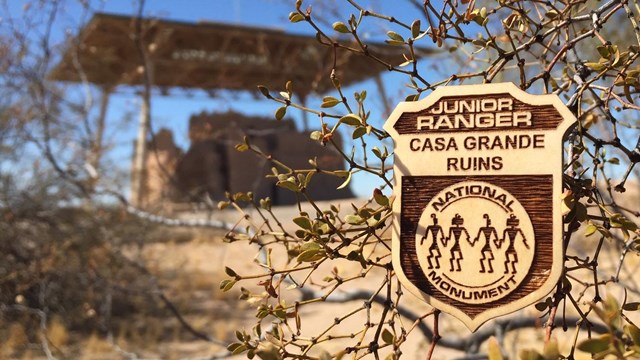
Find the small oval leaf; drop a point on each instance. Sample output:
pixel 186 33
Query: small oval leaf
pixel 594 345
pixel 340 27
pixel 281 112
pixel 351 119
pixel 303 222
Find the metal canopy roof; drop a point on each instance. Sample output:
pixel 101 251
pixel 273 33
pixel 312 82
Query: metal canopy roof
pixel 210 56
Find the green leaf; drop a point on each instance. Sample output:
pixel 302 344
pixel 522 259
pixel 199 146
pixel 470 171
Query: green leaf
pixel 324 228
pixel 614 161
pixel 594 345
pixel 329 102
pixel 242 147
pixel 224 283
pixel 263 89
pixel 303 222
pixel 394 42
pixel 281 112
pixel 340 27
pixel 406 63
pixel 590 230
pixel 351 119
pixel 595 66
pixel 265 203
pixel 307 179
pixel 611 309
pixel 387 336
pixel 603 50
pixel 311 255
pixel 479 19
pixel 413 97
pixel 530 354
pixel 268 352
pixel 241 196
pixel 359 132
pixel 345 183
pixel 240 349
pixel 287 184
pixel 494 349
pixel 315 135
pixel 633 332
pixel 541 306
pixel 353 219
pixel 632 306
pixel 223 205
pixel 479 42
pixel 295 17
pixel 373 222
pixel 395 36
pixel 229 271
pixel 620 221
pixel 310 246
pixel 552 14
pixel 342 173
pixel 227 285
pixel 379 197
pixel 415 29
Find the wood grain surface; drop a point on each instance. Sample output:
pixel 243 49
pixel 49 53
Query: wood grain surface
pixel 534 192
pixel 544 117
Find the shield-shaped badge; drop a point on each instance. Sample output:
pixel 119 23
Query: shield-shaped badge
pixel 478 175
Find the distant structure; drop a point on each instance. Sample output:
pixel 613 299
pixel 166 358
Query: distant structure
pixel 114 50
pixel 163 156
pixel 212 165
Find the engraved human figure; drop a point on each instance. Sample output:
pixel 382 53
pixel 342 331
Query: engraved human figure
pixel 434 249
pixel 456 254
pixel 487 253
pixel 511 255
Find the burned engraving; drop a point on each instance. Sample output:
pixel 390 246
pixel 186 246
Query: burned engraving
pixel 478 171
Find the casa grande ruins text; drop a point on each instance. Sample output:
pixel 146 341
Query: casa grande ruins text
pixel 475 114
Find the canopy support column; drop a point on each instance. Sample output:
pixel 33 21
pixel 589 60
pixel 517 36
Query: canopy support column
pixel 140 152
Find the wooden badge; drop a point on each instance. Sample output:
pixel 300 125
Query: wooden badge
pixel 478 171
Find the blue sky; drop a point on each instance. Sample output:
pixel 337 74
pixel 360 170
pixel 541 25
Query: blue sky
pixel 173 111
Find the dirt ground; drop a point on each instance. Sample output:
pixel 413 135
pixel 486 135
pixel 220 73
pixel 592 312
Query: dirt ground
pixel 205 257
pixel 190 265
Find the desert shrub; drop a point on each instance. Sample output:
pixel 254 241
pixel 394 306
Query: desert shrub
pixel 61 240
pixel 67 260
pixel 573 49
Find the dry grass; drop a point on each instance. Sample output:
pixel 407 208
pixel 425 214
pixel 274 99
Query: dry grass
pixel 16 340
pixel 95 347
pixel 190 268
pixel 57 333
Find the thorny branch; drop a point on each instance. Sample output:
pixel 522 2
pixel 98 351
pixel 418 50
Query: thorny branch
pixel 585 52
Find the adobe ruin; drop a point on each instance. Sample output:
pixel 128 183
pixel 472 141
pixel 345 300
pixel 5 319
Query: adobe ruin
pixel 212 166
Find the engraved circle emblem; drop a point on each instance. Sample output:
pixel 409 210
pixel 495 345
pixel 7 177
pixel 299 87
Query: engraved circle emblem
pixel 475 242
